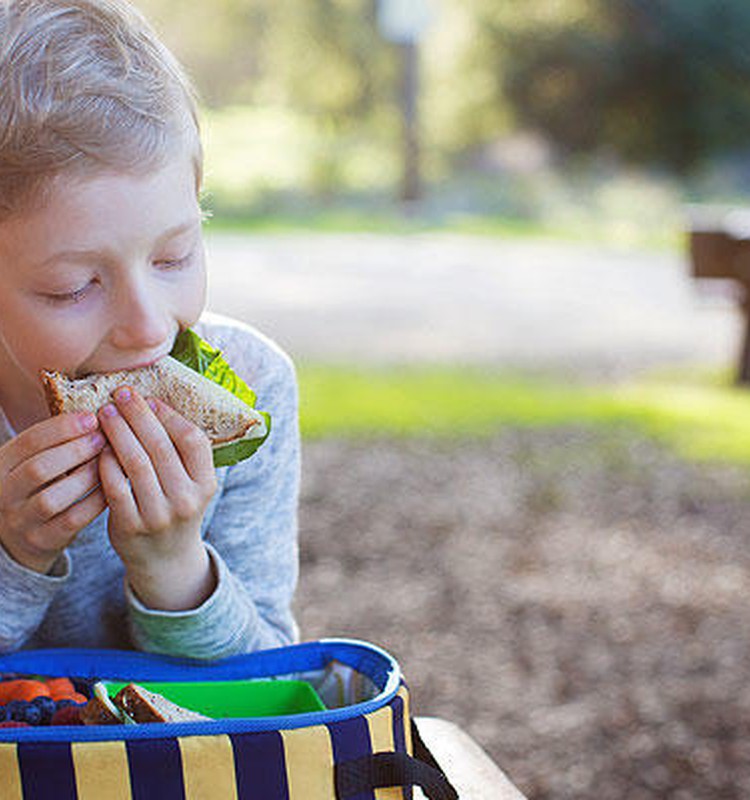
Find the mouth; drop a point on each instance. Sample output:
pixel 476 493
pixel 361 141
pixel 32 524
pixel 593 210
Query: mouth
pixel 147 363
pixel 113 366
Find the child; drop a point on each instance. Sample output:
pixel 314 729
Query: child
pixel 115 530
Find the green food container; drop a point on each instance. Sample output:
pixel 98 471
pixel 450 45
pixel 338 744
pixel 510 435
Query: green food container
pixel 220 699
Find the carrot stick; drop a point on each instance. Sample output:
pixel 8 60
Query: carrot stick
pixel 22 689
pixel 60 688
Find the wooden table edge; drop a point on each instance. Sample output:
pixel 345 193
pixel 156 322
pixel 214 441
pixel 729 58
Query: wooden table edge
pixel 467 766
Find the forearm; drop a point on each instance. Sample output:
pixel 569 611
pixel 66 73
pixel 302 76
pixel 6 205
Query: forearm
pixel 227 623
pixel 182 583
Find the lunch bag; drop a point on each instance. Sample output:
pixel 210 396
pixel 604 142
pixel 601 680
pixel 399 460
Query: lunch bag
pixel 358 744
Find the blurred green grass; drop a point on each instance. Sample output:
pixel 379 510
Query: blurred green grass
pixel 701 417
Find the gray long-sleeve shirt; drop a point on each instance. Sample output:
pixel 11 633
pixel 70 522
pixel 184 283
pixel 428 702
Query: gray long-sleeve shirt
pixel 250 531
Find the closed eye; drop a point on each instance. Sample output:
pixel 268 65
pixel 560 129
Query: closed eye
pixel 71 297
pixel 169 264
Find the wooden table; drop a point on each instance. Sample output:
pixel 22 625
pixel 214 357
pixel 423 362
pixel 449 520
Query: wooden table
pixel 472 772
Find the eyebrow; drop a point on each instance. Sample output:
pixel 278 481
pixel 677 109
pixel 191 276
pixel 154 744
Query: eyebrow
pixel 93 254
pixel 183 227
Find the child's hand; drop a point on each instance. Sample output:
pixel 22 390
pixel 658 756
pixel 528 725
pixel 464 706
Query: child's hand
pixel 49 488
pixel 158 478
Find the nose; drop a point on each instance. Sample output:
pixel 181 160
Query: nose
pixel 141 318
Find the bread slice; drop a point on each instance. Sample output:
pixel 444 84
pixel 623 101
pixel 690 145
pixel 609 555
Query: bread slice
pixel 143 706
pixel 97 712
pixel 133 705
pixel 100 710
pixel 221 415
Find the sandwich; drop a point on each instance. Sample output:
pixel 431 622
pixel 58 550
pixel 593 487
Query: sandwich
pixel 216 411
pixel 142 706
pixel 100 710
pixel 133 705
pixel 225 418
pixel 194 379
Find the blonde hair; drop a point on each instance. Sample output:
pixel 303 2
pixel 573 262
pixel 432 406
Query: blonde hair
pixel 85 86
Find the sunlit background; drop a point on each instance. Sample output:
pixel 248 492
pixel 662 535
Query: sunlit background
pixel 571 115
pixel 526 432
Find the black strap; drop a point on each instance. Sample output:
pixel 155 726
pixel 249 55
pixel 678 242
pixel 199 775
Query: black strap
pixel 421 751
pixel 383 770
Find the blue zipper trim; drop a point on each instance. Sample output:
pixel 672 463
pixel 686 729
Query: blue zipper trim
pixel 136 665
pixel 366 658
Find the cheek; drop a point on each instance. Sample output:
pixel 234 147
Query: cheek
pixel 60 347
pixel 193 297
pixel 36 340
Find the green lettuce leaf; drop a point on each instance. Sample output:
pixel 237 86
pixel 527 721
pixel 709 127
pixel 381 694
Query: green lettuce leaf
pixel 199 355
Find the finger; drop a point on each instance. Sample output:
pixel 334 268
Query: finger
pixel 192 444
pixel 137 462
pixel 189 494
pixel 62 494
pixel 48 466
pixel 117 490
pixel 182 496
pixel 60 531
pixel 152 436
pixel 134 460
pixel 45 435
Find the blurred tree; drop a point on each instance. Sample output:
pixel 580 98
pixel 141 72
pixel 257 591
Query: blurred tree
pixel 220 42
pixel 326 60
pixel 463 101
pixel 653 80
pixel 663 81
pixel 322 58
pixel 326 57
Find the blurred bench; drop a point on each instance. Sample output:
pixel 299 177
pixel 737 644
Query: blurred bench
pixel 719 248
pixel 474 775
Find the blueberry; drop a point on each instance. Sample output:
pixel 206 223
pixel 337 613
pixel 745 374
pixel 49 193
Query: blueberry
pixel 16 710
pixel 32 714
pixel 3 713
pixel 47 708
pixel 23 711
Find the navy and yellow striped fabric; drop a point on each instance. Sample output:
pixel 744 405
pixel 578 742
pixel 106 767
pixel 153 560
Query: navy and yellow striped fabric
pixel 288 764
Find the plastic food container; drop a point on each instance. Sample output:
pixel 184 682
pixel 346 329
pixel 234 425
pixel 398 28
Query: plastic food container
pixel 220 699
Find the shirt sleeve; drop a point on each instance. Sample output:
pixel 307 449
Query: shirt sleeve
pixel 25 597
pixel 251 537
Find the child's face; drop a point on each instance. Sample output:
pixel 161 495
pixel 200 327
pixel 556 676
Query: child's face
pixel 102 277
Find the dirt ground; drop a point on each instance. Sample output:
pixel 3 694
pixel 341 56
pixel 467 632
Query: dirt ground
pixel 576 600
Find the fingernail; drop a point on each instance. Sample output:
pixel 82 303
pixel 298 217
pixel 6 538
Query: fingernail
pixel 98 440
pixel 109 410
pixel 123 394
pixel 89 422
pixel 152 404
